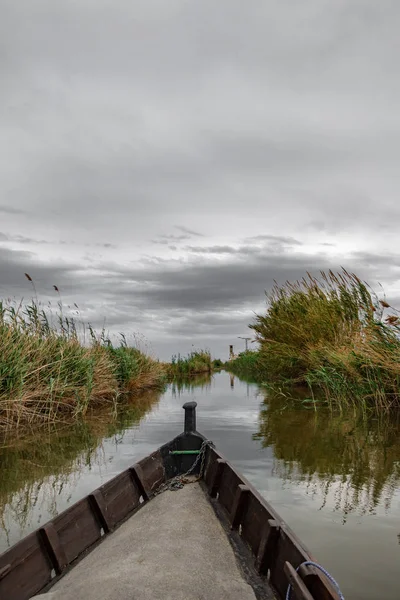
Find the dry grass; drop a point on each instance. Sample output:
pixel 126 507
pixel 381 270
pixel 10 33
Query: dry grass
pixel 331 333
pixel 47 374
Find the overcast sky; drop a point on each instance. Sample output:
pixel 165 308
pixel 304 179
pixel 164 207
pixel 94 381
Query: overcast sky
pixel 162 162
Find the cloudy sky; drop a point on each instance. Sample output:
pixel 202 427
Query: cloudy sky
pixel 162 162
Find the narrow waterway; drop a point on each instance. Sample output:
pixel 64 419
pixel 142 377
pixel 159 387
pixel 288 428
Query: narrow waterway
pixel 333 478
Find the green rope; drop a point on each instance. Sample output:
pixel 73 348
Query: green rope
pixel 185 452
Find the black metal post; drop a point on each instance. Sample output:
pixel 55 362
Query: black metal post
pixel 190 416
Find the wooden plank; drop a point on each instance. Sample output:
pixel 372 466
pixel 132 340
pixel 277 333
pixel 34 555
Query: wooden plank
pixel 254 521
pixel 138 479
pixel 102 511
pixel 25 568
pixel 287 550
pixel 78 528
pixel 150 471
pixel 5 571
pixel 209 462
pixel 318 585
pixel 239 506
pixel 215 480
pixel 54 547
pixel 230 480
pixel 298 585
pixel 120 497
pixel 267 548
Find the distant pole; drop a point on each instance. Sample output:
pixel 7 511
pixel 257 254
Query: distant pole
pixel 246 339
pixel 230 351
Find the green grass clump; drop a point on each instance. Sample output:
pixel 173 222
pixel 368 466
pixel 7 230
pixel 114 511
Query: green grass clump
pixel 198 361
pixel 330 334
pixel 47 373
pixel 246 364
pixel 217 363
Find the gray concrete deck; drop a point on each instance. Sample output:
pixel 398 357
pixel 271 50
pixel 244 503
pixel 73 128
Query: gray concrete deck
pixel 174 548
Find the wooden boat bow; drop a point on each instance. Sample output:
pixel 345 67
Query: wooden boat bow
pixel 262 541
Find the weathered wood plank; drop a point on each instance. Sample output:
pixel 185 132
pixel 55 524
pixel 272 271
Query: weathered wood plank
pixel 138 479
pixel 267 548
pixel 54 547
pixel 25 568
pixel 253 522
pixel 209 461
pixel 5 570
pixel 102 510
pixel 150 472
pixel 240 505
pixel 230 480
pixel 209 464
pixel 77 528
pixel 121 496
pixel 319 586
pixel 289 550
pixel 299 588
pixel 215 481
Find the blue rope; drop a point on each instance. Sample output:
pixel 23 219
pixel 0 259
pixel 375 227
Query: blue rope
pixel 325 572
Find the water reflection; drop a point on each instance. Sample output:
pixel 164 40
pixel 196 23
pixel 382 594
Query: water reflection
pixel 35 471
pixel 43 474
pixel 332 477
pixel 200 381
pixel 351 456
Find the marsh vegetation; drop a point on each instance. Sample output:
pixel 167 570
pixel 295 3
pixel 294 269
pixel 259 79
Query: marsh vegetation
pixel 331 334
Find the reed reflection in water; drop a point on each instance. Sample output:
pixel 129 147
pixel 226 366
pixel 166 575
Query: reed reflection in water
pixel 39 474
pixel 333 477
pixel 351 455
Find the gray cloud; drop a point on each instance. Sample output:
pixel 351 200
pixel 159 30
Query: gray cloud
pixel 261 146
pixel 274 239
pixel 167 239
pixel 182 302
pixel 188 231
pixel 11 210
pixel 213 249
pixel 22 239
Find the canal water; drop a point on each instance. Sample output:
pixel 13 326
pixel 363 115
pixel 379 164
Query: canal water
pixel 333 477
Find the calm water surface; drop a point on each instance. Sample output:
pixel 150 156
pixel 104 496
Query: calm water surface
pixel 333 478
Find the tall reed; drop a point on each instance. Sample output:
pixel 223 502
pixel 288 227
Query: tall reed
pixel 247 364
pixel 331 333
pixel 47 373
pixel 197 361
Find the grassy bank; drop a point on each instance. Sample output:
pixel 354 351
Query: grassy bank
pixel 198 361
pixel 333 335
pixel 247 364
pixel 47 374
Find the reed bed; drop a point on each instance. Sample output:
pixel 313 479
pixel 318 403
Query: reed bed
pixel 247 364
pixel 198 361
pixel 333 335
pixel 47 373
